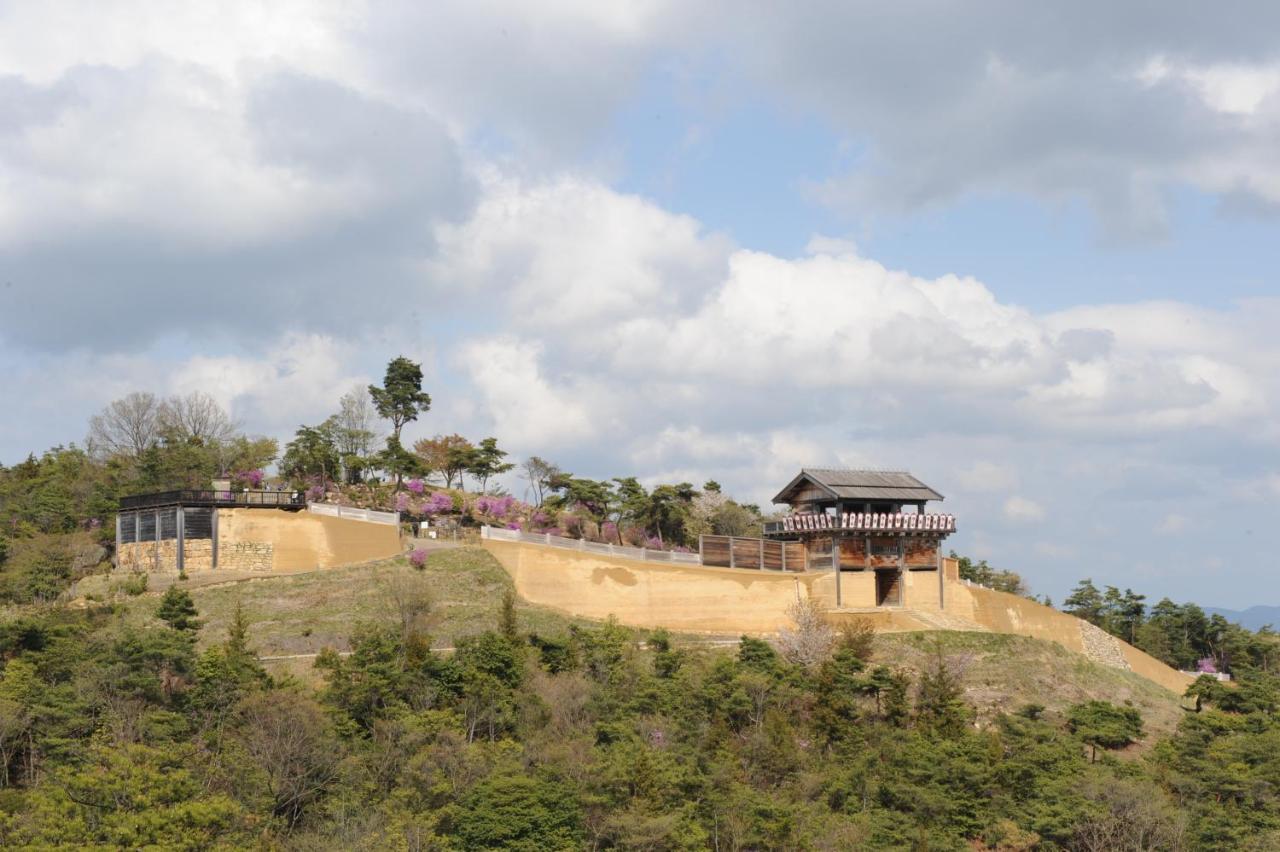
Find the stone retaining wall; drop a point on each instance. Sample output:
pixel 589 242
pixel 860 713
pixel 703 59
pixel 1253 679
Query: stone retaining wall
pixel 162 556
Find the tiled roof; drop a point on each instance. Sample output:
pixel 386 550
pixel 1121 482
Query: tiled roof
pixel 868 485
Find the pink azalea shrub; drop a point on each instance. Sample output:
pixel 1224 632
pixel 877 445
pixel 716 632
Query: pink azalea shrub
pixel 250 478
pixel 438 504
pixel 495 507
pixel 315 493
pixel 402 502
pixel 418 558
pixel 415 485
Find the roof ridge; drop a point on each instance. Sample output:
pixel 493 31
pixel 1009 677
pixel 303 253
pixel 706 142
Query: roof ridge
pixel 860 470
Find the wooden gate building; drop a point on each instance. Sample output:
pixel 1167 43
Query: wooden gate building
pixel 871 529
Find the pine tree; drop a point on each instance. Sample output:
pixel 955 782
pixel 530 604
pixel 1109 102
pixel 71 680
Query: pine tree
pixel 178 610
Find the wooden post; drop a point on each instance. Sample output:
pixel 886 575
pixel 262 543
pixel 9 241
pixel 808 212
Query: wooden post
pixel 902 572
pixel 180 532
pixel 942 586
pixel 213 533
pixel 732 562
pixel 835 563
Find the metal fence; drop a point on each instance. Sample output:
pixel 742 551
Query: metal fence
pixel 355 514
pixel 550 540
pixel 209 497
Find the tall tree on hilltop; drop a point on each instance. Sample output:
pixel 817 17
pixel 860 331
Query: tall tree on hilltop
pixel 538 472
pixel 400 400
pixel 449 455
pixel 354 430
pixel 1085 601
pixel 488 462
pixel 196 418
pixel 128 426
pixel 310 453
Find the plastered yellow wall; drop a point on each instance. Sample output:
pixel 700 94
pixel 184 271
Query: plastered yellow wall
pixel 687 598
pixel 1005 613
pixel 727 600
pixel 305 540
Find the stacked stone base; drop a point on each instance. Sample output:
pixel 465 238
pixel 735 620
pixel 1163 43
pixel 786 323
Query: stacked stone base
pixel 162 556
pixel 247 556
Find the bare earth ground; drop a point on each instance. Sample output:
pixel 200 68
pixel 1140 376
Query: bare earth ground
pixel 296 615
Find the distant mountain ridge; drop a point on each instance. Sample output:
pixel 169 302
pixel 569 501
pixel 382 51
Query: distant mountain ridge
pixel 1254 618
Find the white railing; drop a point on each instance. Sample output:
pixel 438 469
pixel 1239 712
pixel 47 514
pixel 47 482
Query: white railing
pixel 498 534
pixel 355 514
pixel 863 522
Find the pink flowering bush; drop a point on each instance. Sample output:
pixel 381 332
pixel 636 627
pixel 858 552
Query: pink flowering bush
pixel 415 485
pixel 418 558
pixel 402 502
pixel 609 532
pixel 495 507
pixel 251 479
pixel 315 493
pixel 437 504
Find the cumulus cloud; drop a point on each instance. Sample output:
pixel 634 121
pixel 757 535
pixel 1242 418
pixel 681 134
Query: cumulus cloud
pixel 267 202
pixel 1023 510
pixel 1112 105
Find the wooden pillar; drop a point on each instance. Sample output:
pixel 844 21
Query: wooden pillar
pixel 942 586
pixel 902 572
pixel 180 532
pixel 835 564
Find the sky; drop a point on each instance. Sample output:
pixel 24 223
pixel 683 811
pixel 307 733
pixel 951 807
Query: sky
pixel 1025 251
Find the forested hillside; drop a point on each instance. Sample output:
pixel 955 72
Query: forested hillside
pixel 426 721
pixel 115 730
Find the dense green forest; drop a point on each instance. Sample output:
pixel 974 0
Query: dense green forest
pixel 124 736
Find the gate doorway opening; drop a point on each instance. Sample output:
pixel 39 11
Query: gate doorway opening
pixel 888 587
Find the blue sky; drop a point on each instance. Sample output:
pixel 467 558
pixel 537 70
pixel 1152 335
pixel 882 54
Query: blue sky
pixel 1027 251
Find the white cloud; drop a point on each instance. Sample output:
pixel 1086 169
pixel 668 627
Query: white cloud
pixel 528 411
pixel 1023 510
pixel 1172 524
pixel 986 476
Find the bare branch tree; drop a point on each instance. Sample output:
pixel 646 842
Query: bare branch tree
pixel 289 739
pixel 128 426
pixel 196 417
pixel 812 639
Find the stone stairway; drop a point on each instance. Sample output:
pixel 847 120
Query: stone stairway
pixel 1101 647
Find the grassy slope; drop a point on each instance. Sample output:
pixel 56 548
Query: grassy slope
pixel 302 613
pixel 1002 672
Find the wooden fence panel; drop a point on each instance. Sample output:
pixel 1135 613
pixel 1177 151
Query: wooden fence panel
pixel 773 555
pixel 795 555
pixel 715 550
pixel 746 552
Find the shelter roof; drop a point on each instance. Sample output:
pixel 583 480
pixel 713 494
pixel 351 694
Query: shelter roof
pixel 868 485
